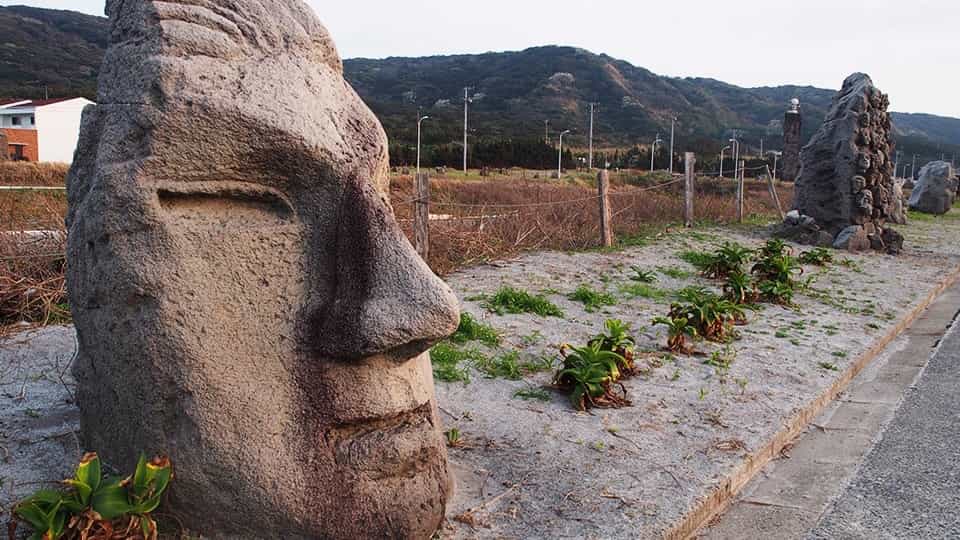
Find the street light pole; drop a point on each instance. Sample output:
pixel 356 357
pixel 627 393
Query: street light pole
pixel 560 155
pixel 466 104
pixel 419 122
pixel 673 122
pixel 736 154
pixel 653 150
pixel 590 163
pixel 722 150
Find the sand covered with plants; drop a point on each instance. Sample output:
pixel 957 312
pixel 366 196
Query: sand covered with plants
pixel 531 464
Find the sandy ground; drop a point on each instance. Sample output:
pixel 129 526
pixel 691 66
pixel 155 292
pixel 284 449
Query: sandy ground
pixel 533 469
pixel 539 469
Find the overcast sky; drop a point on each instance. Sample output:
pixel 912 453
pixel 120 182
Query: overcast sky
pixel 910 48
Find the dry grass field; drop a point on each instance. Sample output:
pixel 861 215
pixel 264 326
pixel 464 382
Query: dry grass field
pixel 480 219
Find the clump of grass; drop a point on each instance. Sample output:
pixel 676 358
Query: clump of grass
pixel 816 257
pixel 448 360
pixel 592 299
pixel 828 366
pixel 643 276
pixel 696 259
pixel 515 301
pixel 504 366
pixel 532 394
pixel 674 272
pixel 643 290
pixel 471 329
pixel 722 358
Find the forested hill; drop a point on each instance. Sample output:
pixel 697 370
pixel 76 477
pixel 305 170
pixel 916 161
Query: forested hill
pixel 57 53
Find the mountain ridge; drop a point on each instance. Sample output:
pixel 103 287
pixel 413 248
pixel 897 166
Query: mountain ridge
pixel 58 52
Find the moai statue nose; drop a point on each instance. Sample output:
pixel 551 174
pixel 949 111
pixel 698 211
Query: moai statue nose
pixel 386 301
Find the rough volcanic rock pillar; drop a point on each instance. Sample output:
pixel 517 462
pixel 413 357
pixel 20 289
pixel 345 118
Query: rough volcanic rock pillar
pixel 792 128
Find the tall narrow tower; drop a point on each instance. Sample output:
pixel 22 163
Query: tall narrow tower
pixel 792 127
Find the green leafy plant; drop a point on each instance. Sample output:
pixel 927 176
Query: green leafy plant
pixel 617 339
pixel 678 330
pixel 712 316
pixel 740 289
pixel 816 257
pixel 591 373
pixel 454 438
pixel 470 329
pixel 591 299
pixel 643 276
pixel 95 507
pixel 515 301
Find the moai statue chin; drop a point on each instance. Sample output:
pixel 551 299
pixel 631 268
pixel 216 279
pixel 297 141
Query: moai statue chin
pixel 244 299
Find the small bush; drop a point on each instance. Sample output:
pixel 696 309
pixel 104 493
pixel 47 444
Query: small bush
pixel 516 301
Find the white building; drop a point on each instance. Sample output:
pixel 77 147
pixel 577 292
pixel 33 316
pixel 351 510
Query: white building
pixel 42 130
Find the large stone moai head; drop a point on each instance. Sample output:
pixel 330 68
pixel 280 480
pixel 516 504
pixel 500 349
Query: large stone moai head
pixel 846 175
pixel 244 299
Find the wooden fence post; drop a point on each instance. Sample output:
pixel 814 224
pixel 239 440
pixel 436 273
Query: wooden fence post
pixel 740 181
pixel 773 193
pixel 421 215
pixel 689 163
pixel 606 226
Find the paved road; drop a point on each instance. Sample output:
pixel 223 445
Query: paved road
pixel 909 485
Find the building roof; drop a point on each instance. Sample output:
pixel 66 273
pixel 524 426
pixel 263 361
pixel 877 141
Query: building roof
pixel 34 103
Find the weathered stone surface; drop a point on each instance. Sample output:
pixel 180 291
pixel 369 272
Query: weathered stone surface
pixel 899 214
pixel 846 175
pixel 803 230
pixel 244 299
pixel 853 238
pixel 936 190
pixel 893 241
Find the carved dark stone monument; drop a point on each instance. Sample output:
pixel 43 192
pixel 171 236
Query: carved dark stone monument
pixel 845 183
pixel 4 155
pixel 244 299
pixel 792 141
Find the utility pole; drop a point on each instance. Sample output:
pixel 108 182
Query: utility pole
pixel 546 132
pixel 590 162
pixel 466 104
pixel 653 150
pixel 913 168
pixel 761 147
pixel 560 157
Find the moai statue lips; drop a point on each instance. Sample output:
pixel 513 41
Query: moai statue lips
pixel 244 299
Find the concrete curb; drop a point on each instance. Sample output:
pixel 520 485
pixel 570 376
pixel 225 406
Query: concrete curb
pixel 718 501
